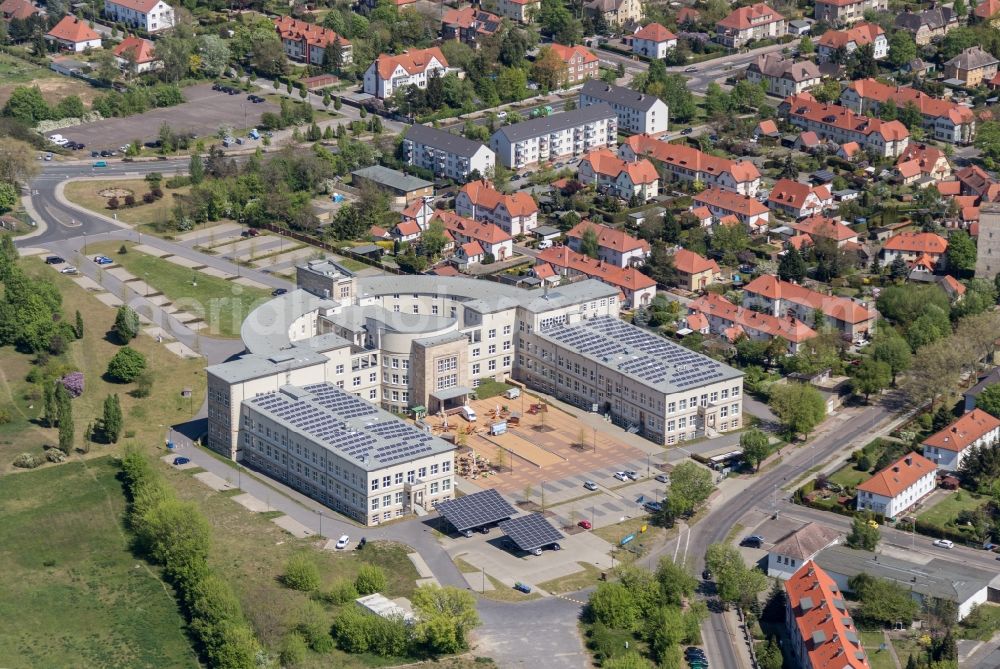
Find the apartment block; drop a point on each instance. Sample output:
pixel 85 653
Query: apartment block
pixel 636 289
pixel 571 133
pixel 783 76
pixel 614 246
pixel 948 447
pixel 521 11
pixel 580 63
pixel 686 163
pixel 149 15
pixel 638 113
pixel 623 179
pixel 746 24
pixel 946 121
pixel 840 124
pixel 308 42
pixel 733 321
pixel 895 489
pixel 515 213
pixel 445 153
pixel 844 12
pixel 855 320
pixel 821 632
pixel 387 74
pixel 852 38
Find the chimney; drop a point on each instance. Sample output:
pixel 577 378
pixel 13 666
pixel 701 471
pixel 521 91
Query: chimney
pixel 909 460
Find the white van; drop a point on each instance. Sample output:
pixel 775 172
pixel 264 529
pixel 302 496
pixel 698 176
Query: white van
pixel 469 414
pixel 512 393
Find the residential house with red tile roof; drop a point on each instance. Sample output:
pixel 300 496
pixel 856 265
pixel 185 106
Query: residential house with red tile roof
pixel 519 10
pixel 946 121
pixel 137 54
pixel 854 320
pixel 797 199
pixel 733 321
pixel 615 13
pixel 407 230
pixel 849 150
pixel 822 634
pixel 581 64
pixel 823 227
pixel 149 15
pixel 494 240
pixel 977 181
pixel 17 9
pixel 746 24
pixel 860 35
pixel 637 288
pixel 387 73
pixel 653 41
pixel 750 211
pixel 931 161
pixel 698 323
pixel 798 547
pixel 952 286
pixel 686 163
pixel 516 214
pixel 308 42
pixel 987 10
pixel 468 254
pixel 846 12
pixel 73 34
pixel 895 489
pixel 767 128
pixel 621 178
pixel 695 272
pixel 949 446
pixel 469 25
pixel 839 124
pixel 688 16
pixel 614 246
pixel 923 248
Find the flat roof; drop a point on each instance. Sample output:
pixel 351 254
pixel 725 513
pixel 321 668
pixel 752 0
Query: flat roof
pixel 392 178
pixel 265 329
pixel 531 532
pixel 639 354
pixel 346 425
pixel 254 366
pixel 476 510
pixel 556 122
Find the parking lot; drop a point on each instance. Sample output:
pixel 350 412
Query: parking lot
pixel 202 113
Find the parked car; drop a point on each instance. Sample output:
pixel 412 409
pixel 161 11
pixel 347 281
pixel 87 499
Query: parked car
pixel 944 543
pixel 250 232
pixel 555 547
pixel 343 541
pixel 95 154
pixel 278 291
pixel 54 260
pixel 621 476
pixel 632 475
pixel 662 478
pixel 522 587
pixel 652 507
pixel 68 269
pixel 585 524
pixel 101 163
pixel 590 485
pixel 48 156
pixel 181 461
pixel 687 131
pixel 103 260
pixel 691 69
pixel 753 541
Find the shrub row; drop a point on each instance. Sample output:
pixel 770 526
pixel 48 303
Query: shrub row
pixel 176 535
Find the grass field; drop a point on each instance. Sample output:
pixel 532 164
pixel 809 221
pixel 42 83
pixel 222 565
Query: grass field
pixel 948 508
pixel 17 72
pixel 73 593
pixel 878 659
pixel 147 418
pixel 981 624
pixel 222 304
pixel 85 194
pixel 585 578
pixel 848 477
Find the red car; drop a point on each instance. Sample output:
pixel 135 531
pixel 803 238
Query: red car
pixel 585 524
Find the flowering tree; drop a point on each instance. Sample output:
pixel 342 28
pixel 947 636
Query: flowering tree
pixel 73 382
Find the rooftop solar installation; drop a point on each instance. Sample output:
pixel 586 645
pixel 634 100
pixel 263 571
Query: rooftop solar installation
pixel 531 531
pixel 640 354
pixel 475 510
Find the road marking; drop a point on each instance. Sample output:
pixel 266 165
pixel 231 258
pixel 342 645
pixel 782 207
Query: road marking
pixel 570 599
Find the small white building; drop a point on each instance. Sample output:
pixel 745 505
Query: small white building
pixel 637 112
pixel 795 549
pixel 653 41
pixel 149 15
pixel 892 491
pixel 75 35
pixel 948 447
pixel 623 179
pixel 387 74
pixel 378 604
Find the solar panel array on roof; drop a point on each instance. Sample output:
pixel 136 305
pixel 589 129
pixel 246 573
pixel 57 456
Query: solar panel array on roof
pixel 346 405
pixel 637 352
pixel 476 510
pixel 531 531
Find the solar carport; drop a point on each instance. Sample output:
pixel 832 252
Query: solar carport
pixel 476 510
pixel 531 533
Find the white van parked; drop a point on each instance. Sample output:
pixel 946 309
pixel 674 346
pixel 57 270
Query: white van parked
pixel 469 414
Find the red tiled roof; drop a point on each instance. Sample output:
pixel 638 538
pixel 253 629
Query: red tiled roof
pixel 697 322
pixel 952 284
pixel 794 193
pixel 964 431
pixel 605 162
pixel 949 187
pixel 466 18
pixel 472 249
pixel 690 158
pixel 789 328
pixel 742 205
pixel 808 138
pixel 142 49
pixel 861 34
pixel 767 127
pixel 483 194
pixel 654 32
pixel 745 18
pixel 701 213
pixel 312 33
pixel 608 237
pixel 687 14
pixel 567 53
pixel 987 9
pixel 445 270
pixel 407 228
pixel 839 308
pixel 806 106
pixel 850 148
pixel 917 242
pixel 898 476
pixel 927 157
pixel 72 29
pixel 827 228
pixel 543 271
pixel 481 231
pixel 690 262
pixel 871 89
pixel 823 621
pixel 413 61
pixel 18 9
pixel 628 278
pixel 141 6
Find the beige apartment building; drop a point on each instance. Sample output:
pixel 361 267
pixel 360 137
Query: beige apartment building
pixel 845 12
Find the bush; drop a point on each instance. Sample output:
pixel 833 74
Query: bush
pixel 143 385
pixel 293 650
pixel 130 200
pixel 126 365
pixel 157 192
pixel 113 203
pixel 5 416
pixel 301 573
pixel 178 182
pixel 370 579
pixel 351 629
pixel 26 461
pixel 343 591
pixel 73 383
pixel 126 327
pixel 314 628
pixel 148 198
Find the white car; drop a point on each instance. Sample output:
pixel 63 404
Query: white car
pixel 502 115
pixel 944 543
pixel 342 542
pixel 58 140
pixel 621 476
pixel 68 269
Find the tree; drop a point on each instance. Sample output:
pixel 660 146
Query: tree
pixel 214 55
pixel 676 584
pixel 126 365
pixel 988 139
pixel 589 244
pixel 902 48
pixel 690 485
pixel 8 196
pixel 989 400
pixel 892 350
pixel 806 46
pixel 792 267
pixel 447 615
pixel 126 326
pixel 614 605
pixel 196 169
pixel 898 269
pixel 301 573
pixel 112 420
pixel 50 411
pixel 864 533
pixel 27 105
pixel 883 602
pixel 293 650
pixel 370 579
pixel 105 66
pixel 18 164
pixel 548 70
pixel 737 584
pixel 64 408
pixel 799 406
pixel 961 254
pixel 755 447
pixel 871 376
pixel 769 655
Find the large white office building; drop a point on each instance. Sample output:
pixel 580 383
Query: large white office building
pixel 571 133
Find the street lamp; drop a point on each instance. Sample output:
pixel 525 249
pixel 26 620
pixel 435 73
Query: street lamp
pixel 321 522
pixel 85 243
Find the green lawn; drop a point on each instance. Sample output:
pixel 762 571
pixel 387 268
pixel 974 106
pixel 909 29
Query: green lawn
pixel 848 477
pixel 74 595
pixel 86 193
pixel 981 624
pixel 947 508
pixel 13 70
pixel 879 659
pixel 220 303
pixel 587 577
